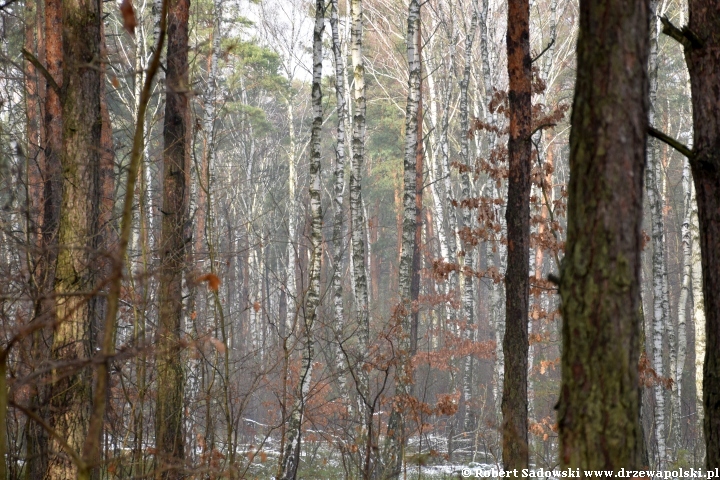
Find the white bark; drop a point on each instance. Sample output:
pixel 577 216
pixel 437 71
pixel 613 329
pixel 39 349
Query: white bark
pixel 291 453
pixel 396 436
pixel 684 296
pixel 659 275
pixel 291 282
pixel 698 304
pixel 468 296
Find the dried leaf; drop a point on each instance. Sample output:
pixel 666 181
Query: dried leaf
pixel 115 82
pixel 128 15
pixel 212 279
pixel 256 306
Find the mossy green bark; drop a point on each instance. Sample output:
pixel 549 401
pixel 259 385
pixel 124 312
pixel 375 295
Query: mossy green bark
pixel 600 278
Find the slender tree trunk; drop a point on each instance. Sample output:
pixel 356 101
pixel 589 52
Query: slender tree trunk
pixel 698 311
pixel 685 296
pixel 600 277
pixel 292 252
pixel 169 435
pixel 292 446
pixel 659 274
pixel 396 434
pixel 517 215
pixel 357 213
pixel 468 294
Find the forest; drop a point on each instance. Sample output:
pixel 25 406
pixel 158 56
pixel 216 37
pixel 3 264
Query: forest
pixel 359 239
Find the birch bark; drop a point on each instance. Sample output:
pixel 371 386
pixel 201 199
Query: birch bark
pixel 292 447
pixel 396 433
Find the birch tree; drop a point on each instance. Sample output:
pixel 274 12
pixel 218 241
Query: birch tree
pixel 292 447
pixel 396 433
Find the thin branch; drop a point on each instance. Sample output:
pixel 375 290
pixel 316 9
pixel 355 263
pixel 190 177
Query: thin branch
pixel 41 68
pixel 550 44
pixel 63 444
pixel 653 132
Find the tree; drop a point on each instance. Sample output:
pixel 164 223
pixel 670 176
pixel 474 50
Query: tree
pixel 517 280
pixel 600 275
pixel 396 436
pixel 290 460
pixel 169 432
pixel 80 158
pixel 701 42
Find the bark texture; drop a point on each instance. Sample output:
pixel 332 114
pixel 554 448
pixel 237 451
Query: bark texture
pixel 600 278
pixel 169 435
pixel 702 53
pixel 396 434
pixel 80 159
pixel 517 216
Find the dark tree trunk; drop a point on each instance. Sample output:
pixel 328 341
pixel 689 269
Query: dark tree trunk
pixel 702 53
pixel 169 436
pixel 600 277
pixel 517 216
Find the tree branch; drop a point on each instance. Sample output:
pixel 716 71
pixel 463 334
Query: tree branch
pixel 653 132
pixel 683 35
pixel 552 42
pixel 41 68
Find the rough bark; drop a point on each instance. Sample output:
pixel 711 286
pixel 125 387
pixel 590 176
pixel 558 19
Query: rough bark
pixel 600 277
pixel 81 156
pixel 517 215
pixel 169 435
pixel 703 59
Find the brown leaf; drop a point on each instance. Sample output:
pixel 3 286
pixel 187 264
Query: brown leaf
pixel 256 306
pixel 212 279
pixel 128 15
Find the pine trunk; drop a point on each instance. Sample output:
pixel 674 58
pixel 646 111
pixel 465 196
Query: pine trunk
pixel 169 434
pixel 517 215
pixel 702 42
pixel 600 277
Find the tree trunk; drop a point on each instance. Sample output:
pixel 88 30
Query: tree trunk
pixel 600 277
pixel 517 215
pixel 169 435
pixel 702 41
pixel 683 301
pixel 81 137
pixel 468 294
pixel 396 433
pixel 659 265
pixel 292 446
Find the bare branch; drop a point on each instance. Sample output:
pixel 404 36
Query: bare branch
pixel 41 68
pixel 683 35
pixel 672 142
